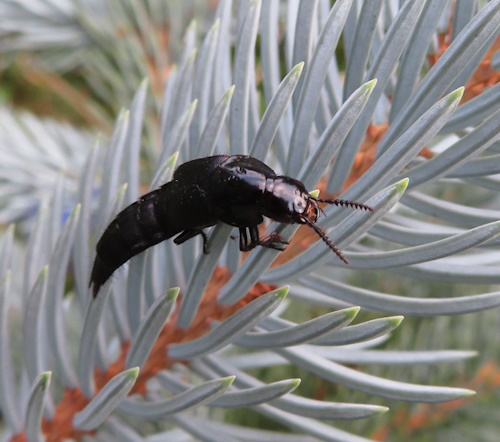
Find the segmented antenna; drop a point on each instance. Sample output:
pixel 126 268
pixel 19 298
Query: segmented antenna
pixel 345 203
pixel 325 238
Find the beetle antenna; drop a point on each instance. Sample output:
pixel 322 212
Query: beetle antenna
pixel 345 203
pixel 325 238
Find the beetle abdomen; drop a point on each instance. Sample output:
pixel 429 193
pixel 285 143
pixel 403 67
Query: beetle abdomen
pixel 136 228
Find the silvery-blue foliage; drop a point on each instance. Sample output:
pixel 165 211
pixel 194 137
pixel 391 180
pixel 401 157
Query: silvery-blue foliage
pixel 313 125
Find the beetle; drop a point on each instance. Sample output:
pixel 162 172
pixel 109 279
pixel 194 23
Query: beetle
pixel 238 190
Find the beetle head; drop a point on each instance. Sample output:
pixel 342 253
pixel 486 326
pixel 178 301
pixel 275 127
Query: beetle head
pixel 285 199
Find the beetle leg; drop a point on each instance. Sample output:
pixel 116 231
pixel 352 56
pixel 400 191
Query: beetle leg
pixel 254 236
pixel 188 234
pixel 272 241
pixel 185 235
pixel 245 246
pixel 205 242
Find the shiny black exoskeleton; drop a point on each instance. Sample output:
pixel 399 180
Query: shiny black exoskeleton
pixel 237 190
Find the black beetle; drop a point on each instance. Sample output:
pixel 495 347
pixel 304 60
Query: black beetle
pixel 238 190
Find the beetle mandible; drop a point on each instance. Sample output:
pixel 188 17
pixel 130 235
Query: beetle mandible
pixel 238 190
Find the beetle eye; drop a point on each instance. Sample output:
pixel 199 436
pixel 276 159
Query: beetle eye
pixel 299 202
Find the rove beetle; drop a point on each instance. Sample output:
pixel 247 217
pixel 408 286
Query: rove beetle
pixel 238 190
